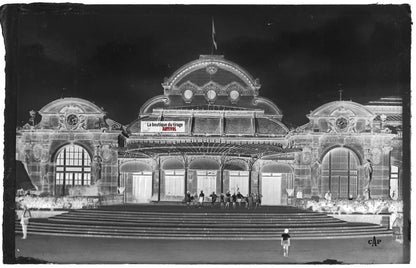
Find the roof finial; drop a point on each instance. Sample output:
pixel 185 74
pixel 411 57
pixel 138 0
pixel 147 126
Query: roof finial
pixel 340 94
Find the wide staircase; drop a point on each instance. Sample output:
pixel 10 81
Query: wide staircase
pixel 179 222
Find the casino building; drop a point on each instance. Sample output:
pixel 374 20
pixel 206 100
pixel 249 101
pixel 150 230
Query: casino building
pixel 211 130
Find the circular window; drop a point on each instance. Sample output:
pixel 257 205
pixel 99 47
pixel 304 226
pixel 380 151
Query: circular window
pixel 341 123
pixel 188 94
pixel 234 94
pixel 72 119
pixel 211 94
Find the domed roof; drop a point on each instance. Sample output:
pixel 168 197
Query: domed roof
pixel 211 68
pixel 211 83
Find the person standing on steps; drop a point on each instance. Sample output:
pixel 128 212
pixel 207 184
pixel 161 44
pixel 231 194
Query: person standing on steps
pixel 188 198
pixel 285 242
pixel 258 200
pixel 24 220
pixel 213 198
pixel 234 200
pixel 227 199
pixel 239 198
pixel 201 198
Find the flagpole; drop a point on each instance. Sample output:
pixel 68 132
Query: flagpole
pixel 212 36
pixel 214 42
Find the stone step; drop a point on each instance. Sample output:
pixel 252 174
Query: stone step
pixel 194 215
pixel 213 236
pixel 207 229
pixel 195 220
pixel 352 226
pixel 221 213
pixel 199 231
pixel 185 223
pixel 170 222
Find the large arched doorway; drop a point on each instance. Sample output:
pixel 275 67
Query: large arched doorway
pixel 340 173
pixel 275 179
pixel 73 168
pixel 137 178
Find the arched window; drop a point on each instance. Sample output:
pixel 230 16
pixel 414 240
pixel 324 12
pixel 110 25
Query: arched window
pixel 73 168
pixel 340 173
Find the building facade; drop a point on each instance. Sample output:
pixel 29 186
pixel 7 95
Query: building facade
pixel 211 130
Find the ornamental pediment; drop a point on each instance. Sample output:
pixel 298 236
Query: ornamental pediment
pixel 72 114
pixel 341 108
pixel 341 117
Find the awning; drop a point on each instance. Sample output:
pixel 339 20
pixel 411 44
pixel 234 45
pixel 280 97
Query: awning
pixel 22 178
pixel 208 148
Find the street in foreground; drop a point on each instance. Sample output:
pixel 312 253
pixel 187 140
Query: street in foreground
pixel 102 250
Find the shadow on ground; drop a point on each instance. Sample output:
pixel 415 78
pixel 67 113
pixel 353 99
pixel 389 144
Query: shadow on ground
pixel 29 260
pixel 327 261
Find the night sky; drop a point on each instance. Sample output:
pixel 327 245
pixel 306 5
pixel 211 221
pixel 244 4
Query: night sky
pixel 118 56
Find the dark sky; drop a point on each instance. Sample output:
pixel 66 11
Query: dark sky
pixel 117 56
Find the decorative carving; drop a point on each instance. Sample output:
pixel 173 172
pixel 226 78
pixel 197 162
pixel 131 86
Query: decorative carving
pixel 62 125
pixel 113 125
pixel 315 173
pixel 37 152
pixel 45 156
pixel 32 114
pixel 387 149
pixel 306 156
pixel 376 156
pixel 352 125
pixel 107 153
pixel 211 69
pixel 341 111
pixel 82 123
pixel 368 175
pixel 96 167
pixel 331 125
pixel 341 123
pixel 71 118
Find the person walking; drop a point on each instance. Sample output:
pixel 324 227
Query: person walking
pixel 285 242
pixel 24 220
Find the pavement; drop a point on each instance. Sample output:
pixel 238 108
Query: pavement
pixel 76 250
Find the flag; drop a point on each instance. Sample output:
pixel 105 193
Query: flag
pixel 214 42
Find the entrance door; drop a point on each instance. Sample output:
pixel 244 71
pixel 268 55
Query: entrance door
pixel 271 188
pixel 174 182
pixel 142 187
pixel 207 181
pixel 239 182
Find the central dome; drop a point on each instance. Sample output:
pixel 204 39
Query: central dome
pixel 211 70
pixel 211 83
